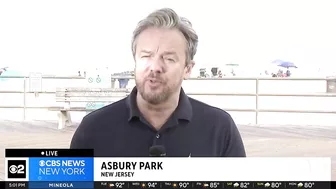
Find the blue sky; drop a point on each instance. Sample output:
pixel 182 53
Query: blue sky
pixel 62 35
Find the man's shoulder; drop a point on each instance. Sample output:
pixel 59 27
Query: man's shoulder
pixel 98 123
pixel 211 114
pixel 116 110
pixel 203 108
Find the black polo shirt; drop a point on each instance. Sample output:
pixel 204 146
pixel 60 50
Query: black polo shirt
pixel 195 129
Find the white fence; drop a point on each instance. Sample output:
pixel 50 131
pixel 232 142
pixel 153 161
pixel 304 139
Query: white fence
pixel 255 101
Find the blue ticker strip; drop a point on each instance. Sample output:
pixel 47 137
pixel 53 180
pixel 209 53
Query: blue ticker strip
pixel 75 185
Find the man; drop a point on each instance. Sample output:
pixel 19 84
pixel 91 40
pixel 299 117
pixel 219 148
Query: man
pixel 158 112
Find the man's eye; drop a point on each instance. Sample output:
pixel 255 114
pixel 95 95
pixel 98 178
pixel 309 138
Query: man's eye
pixel 145 56
pixel 169 59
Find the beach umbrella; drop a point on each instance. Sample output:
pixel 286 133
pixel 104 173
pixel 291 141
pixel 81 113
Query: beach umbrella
pixel 277 61
pixel 284 64
pixel 287 65
pixel 2 70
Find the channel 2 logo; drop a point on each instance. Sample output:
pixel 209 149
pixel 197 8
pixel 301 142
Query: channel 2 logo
pixel 16 168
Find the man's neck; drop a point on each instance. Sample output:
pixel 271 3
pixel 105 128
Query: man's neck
pixel 157 115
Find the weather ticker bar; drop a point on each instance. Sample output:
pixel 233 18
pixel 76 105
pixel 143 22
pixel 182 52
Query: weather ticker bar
pixel 204 185
pixel 173 185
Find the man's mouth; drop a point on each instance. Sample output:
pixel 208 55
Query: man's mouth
pixel 154 81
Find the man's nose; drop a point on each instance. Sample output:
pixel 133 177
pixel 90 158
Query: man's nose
pixel 156 65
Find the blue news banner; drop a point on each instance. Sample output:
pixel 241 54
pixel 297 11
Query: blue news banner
pixel 49 168
pixel 61 173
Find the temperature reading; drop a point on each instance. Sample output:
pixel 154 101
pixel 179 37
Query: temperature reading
pixel 152 184
pixel 275 184
pixel 244 184
pixel 214 184
pixel 119 184
pixel 184 184
pixel 308 185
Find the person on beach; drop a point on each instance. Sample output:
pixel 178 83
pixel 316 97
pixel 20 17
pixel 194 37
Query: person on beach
pixel 158 111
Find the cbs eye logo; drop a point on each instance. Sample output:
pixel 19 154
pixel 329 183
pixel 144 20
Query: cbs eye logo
pixel 16 168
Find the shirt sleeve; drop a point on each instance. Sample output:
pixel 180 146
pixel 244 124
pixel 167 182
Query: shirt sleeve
pixel 234 144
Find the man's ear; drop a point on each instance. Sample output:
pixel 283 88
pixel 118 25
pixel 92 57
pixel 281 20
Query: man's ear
pixel 189 69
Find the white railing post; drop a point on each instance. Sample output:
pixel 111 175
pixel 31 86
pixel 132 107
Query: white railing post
pixel 24 98
pixel 257 102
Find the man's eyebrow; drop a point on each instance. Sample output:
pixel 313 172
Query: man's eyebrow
pixel 146 51
pixel 165 53
pixel 169 53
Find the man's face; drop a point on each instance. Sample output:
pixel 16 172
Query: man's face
pixel 160 63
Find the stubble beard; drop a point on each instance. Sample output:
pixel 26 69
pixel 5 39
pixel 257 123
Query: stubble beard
pixel 155 97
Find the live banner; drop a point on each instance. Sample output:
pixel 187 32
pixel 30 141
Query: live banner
pixel 78 169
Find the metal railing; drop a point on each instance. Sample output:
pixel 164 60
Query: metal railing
pixel 256 95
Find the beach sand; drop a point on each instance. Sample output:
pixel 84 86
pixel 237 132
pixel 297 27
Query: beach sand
pixel 269 141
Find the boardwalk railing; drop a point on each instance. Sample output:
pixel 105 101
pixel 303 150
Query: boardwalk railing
pixel 324 90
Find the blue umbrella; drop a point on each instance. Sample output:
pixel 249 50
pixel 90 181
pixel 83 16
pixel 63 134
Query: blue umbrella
pixel 287 65
pixel 277 61
pixel 284 64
